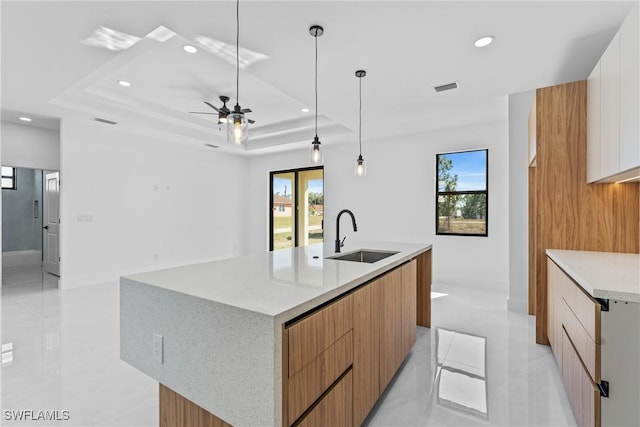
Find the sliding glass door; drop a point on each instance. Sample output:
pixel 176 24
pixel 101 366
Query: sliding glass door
pixel 296 208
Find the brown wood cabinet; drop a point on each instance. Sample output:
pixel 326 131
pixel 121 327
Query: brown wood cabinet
pixel 177 411
pixel 334 409
pixel 353 346
pixel 367 304
pixel 574 333
pixel 564 211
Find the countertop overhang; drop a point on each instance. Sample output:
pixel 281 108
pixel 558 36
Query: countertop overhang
pixel 283 283
pixel 607 275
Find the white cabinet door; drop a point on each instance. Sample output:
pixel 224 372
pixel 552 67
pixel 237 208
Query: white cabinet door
pixel 593 125
pixel 610 109
pixel 630 91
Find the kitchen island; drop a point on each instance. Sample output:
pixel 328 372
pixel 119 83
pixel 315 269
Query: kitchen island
pixel 240 337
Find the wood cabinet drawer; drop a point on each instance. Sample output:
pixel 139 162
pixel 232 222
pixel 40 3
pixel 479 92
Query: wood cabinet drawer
pixel 587 349
pixel 585 308
pixel 308 384
pixel 335 409
pixel 312 335
pixel 583 393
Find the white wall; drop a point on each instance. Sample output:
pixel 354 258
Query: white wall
pixel 519 106
pixel 396 200
pixel 144 197
pixel 30 147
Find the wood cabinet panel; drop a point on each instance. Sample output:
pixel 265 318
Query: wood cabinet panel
pixel 315 333
pixel 408 311
pixel 177 411
pixel 571 214
pixel 532 241
pixel 583 394
pixel 585 309
pixel 587 349
pixel 555 313
pixel 335 408
pixel 366 354
pixel 308 384
pixel 424 289
pixel 391 338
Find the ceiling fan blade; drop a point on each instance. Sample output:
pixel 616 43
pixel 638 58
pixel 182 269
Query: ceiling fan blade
pixel 211 105
pixel 200 112
pixel 246 110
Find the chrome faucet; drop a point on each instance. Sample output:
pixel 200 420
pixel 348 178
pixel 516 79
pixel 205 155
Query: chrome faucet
pixel 340 243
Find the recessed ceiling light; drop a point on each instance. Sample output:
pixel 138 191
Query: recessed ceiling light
pixel 24 119
pixel 189 48
pixel 483 41
pixel 124 83
pixel 305 110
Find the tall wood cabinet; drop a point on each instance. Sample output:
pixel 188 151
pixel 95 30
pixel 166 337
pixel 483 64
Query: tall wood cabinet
pixel 564 211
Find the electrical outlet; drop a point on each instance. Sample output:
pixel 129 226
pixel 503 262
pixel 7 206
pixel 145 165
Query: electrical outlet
pixel 158 347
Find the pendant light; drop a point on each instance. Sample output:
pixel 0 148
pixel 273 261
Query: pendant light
pixel 237 123
pixel 361 166
pixel 315 153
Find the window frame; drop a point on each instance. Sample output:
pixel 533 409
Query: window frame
pixel 439 193
pixel 13 177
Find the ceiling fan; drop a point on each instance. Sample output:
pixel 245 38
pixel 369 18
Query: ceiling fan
pixel 222 112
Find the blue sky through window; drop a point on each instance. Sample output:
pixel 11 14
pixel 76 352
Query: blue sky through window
pixel 471 168
pixel 315 186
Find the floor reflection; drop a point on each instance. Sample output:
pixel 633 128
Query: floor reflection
pixel 461 372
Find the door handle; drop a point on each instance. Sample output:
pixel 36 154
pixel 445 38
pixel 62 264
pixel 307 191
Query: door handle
pixel 46 227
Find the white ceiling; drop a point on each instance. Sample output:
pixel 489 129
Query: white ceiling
pixel 405 47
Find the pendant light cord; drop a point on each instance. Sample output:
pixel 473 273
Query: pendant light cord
pixel 237 52
pixel 316 87
pixel 360 118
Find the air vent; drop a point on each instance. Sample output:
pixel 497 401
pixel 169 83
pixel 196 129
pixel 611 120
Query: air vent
pixel 109 122
pixel 211 146
pixel 448 86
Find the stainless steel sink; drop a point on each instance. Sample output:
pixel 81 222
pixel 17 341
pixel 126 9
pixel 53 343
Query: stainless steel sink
pixel 364 255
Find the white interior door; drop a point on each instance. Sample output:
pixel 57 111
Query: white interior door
pixel 51 219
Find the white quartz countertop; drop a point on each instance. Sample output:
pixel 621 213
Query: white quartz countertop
pixel 282 283
pixel 602 274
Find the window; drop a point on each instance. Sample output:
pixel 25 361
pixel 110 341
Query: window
pixel 461 193
pixel 9 181
pixel 296 208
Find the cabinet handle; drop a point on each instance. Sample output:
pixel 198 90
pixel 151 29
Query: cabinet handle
pixel 604 388
pixel 604 304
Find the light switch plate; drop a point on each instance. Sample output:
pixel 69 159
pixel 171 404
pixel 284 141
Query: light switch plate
pixel 158 347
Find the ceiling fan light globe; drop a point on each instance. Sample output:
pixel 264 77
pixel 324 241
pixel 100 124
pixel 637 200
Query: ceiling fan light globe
pixel 237 129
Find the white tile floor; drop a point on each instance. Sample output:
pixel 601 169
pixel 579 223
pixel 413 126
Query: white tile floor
pixel 65 356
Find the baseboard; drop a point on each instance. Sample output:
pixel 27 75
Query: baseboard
pixel 21 259
pixel 518 305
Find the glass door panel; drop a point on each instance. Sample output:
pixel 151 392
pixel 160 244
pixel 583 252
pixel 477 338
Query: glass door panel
pixel 311 203
pixel 283 210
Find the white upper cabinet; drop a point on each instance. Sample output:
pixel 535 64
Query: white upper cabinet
pixel 630 91
pixel 593 125
pixel 613 107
